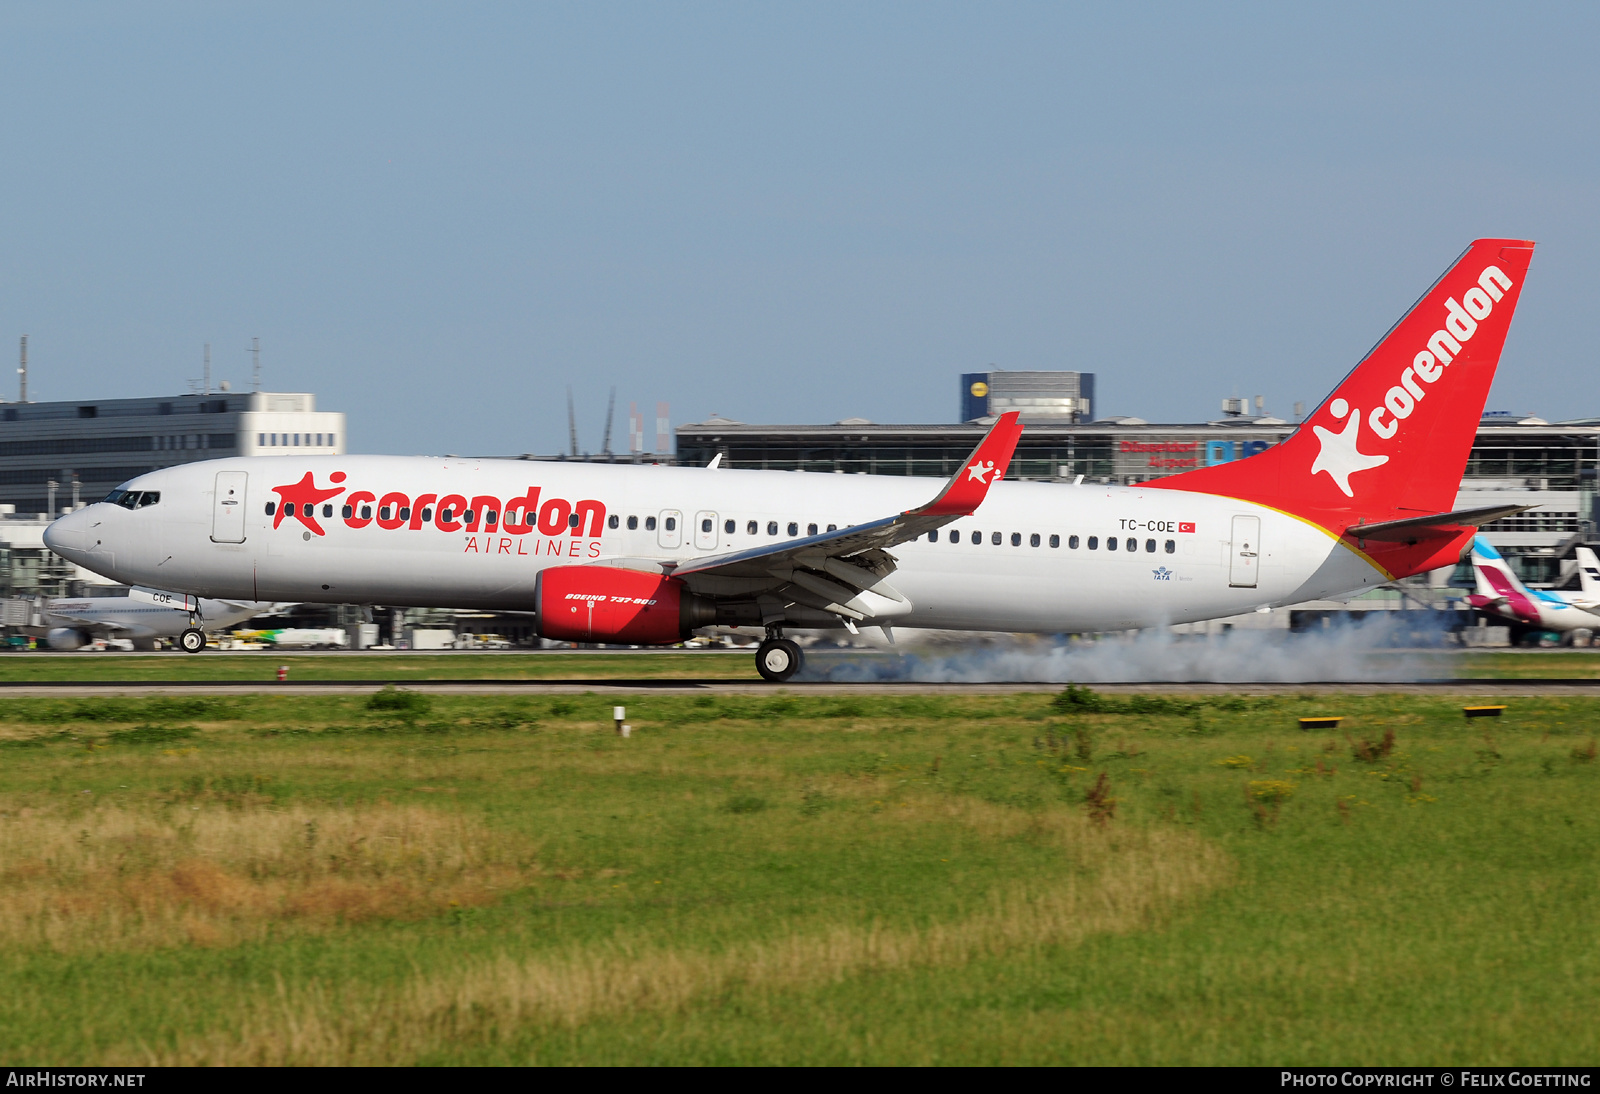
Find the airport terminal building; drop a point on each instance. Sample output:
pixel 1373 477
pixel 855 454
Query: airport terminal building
pixel 58 455
pixel 1516 460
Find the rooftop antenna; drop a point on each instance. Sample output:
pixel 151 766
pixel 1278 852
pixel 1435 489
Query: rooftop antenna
pixel 255 364
pixel 605 445
pixel 572 423
pixel 22 370
pixel 207 372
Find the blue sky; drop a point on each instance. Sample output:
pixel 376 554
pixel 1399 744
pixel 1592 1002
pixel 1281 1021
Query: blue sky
pixel 438 216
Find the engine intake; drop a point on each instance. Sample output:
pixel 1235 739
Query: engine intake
pixel 608 604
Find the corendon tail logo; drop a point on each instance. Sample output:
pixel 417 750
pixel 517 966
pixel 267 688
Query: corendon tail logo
pixel 1340 455
pixel 492 525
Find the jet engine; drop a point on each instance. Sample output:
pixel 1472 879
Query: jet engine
pixel 66 638
pixel 608 604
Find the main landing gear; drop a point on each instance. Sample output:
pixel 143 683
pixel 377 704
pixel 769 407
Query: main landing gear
pixel 192 640
pixel 777 659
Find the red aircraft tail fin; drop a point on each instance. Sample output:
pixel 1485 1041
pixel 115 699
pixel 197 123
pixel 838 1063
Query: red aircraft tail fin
pixel 1392 439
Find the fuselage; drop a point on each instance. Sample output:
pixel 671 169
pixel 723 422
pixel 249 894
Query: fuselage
pixel 451 532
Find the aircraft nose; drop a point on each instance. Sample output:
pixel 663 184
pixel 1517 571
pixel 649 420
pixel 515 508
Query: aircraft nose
pixel 66 536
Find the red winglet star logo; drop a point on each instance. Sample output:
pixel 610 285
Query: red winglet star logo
pixel 301 500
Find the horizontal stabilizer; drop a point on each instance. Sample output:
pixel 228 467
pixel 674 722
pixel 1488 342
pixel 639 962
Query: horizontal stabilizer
pixel 1434 523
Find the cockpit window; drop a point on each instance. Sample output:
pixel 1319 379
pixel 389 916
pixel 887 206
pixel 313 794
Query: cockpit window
pixel 133 499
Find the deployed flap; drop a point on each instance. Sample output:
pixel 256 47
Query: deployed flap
pixel 960 497
pixel 1437 523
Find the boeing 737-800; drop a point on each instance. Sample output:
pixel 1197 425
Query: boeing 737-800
pixel 1358 496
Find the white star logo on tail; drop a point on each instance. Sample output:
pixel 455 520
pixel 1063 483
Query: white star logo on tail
pixel 1339 456
pixel 980 471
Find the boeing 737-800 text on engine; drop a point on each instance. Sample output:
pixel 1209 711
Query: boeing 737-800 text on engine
pixel 1358 496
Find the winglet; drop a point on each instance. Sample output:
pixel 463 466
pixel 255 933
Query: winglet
pixel 986 466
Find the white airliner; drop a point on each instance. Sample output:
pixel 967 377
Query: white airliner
pixel 141 615
pixel 1501 593
pixel 1358 496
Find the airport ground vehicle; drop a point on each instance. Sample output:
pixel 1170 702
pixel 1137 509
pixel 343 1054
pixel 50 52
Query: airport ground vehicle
pixel 1358 496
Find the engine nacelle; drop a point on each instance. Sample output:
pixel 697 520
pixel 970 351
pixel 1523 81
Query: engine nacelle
pixel 66 638
pixel 609 604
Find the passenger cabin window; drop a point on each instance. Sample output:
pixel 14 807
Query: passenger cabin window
pixel 327 511
pixel 750 528
pixel 1111 543
pixel 672 524
pixel 349 511
pixel 955 536
pixel 1172 546
pixel 811 529
pixel 1072 543
pixel 977 538
pixel 466 515
pixel 1033 540
pixel 272 507
pixel 728 526
pixel 794 529
pixel 405 512
pixel 366 512
pixel 933 536
pixel 383 513
pixel 1132 544
pixel 705 524
pixel 427 514
pixel 772 527
pixel 1149 546
pixel 573 520
pixel 994 538
pixel 1016 539
pixel 633 524
pixel 612 521
pixel 1094 543
pixel 649 524
pixel 1055 541
pixel 833 527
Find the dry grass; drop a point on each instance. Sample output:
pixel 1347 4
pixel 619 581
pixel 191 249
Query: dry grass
pixel 1137 880
pixel 117 876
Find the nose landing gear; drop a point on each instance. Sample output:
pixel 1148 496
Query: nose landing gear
pixel 192 640
pixel 778 659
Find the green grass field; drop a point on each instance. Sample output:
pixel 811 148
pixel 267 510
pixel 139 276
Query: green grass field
pixel 402 668
pixel 782 879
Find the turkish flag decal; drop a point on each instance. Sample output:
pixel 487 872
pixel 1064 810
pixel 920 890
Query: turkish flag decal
pixel 1186 526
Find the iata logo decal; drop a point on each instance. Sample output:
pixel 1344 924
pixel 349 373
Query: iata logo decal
pixel 492 526
pixel 1162 573
pixel 1340 457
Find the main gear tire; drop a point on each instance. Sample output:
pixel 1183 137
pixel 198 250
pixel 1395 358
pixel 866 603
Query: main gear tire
pixel 778 659
pixel 192 640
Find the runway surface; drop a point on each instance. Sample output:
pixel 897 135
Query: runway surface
pixel 105 689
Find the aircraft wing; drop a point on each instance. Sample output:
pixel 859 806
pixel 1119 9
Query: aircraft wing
pixel 95 622
pixel 844 571
pixel 1421 527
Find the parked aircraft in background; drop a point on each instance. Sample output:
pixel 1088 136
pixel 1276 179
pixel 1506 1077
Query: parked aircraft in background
pixel 1500 592
pixel 1360 495
pixel 141 615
